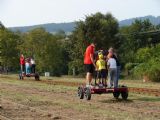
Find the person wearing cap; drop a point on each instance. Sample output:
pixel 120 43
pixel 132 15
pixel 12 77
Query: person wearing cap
pixel 101 66
pixel 89 63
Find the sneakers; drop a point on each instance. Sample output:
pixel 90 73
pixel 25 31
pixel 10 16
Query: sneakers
pixel 101 85
pixel 89 86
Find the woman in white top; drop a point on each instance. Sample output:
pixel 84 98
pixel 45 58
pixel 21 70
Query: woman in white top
pixel 112 72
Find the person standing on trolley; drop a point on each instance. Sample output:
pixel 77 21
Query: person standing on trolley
pixel 89 63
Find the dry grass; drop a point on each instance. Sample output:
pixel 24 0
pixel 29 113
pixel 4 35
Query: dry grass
pixel 61 100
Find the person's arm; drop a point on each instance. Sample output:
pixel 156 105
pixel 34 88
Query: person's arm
pixel 97 65
pixel 91 56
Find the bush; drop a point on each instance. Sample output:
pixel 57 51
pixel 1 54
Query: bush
pixel 129 67
pixel 150 69
pixel 149 66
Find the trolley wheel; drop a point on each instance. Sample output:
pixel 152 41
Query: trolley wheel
pixel 124 95
pixel 88 93
pixel 116 94
pixel 80 92
pixel 37 76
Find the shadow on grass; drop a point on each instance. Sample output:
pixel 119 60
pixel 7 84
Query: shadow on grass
pixel 116 101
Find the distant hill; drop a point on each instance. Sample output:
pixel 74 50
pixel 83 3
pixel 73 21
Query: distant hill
pixel 69 27
pixel 153 20
pixel 50 27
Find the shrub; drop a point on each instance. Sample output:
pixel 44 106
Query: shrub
pixel 150 69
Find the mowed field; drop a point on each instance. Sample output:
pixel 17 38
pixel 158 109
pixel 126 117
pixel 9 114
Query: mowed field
pixel 56 98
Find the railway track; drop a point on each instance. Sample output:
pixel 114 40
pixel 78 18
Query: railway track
pixel 148 91
pixel 154 92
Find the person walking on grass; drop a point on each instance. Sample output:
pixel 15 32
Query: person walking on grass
pixel 89 63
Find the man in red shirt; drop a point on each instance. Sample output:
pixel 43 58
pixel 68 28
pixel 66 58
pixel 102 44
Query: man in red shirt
pixel 89 63
pixel 22 62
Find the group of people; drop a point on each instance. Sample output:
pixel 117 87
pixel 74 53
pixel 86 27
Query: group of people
pixel 104 64
pixel 27 65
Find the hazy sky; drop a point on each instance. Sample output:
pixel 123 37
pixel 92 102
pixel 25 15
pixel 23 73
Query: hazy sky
pixel 31 12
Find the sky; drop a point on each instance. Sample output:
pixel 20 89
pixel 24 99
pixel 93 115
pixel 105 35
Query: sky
pixel 32 12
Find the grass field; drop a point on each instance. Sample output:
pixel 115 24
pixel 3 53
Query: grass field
pixel 34 100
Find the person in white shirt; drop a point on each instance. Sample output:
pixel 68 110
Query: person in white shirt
pixel 33 65
pixel 112 72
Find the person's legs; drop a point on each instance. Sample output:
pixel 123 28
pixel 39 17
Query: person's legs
pixel 29 69
pixel 118 72
pixel 99 77
pixel 89 70
pixel 34 68
pixel 103 76
pixel 95 77
pixel 110 78
pixel 115 78
pixel 26 69
pixel 88 79
pixel 21 68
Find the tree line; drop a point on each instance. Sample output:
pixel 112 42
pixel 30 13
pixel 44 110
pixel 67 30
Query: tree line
pixel 137 46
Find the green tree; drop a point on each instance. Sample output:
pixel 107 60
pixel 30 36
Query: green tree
pixel 8 49
pixel 97 27
pixel 134 37
pixel 46 48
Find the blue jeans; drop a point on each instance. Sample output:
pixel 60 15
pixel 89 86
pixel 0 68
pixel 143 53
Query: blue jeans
pixel 118 72
pixel 112 75
pixel 27 69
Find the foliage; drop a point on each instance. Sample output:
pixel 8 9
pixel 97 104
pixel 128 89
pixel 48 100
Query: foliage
pixel 98 28
pixel 8 49
pixel 137 45
pixel 150 66
pixel 133 37
pixel 46 50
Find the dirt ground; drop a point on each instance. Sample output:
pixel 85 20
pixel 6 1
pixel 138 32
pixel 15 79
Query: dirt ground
pixel 33 100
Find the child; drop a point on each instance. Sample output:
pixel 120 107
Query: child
pixel 101 65
pixel 112 72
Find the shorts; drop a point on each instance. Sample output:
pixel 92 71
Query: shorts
pixel 89 68
pixel 102 74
